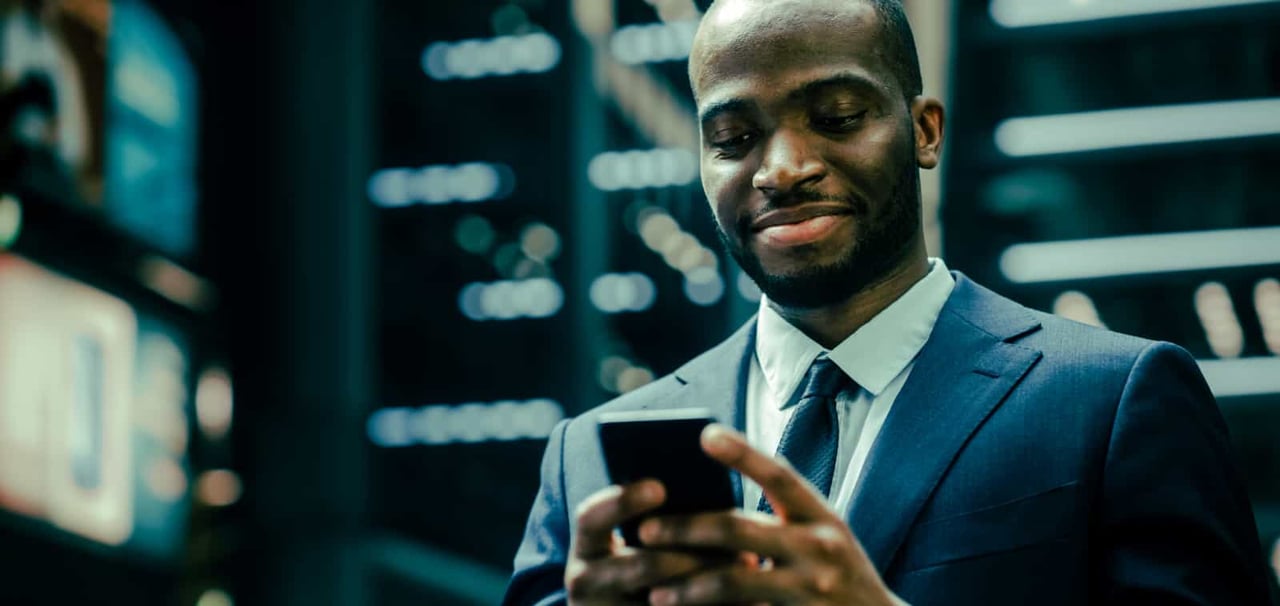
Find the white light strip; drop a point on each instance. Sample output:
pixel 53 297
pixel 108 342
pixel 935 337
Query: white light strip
pixel 440 184
pixel 502 56
pixel 1119 128
pixel 653 43
pixel 643 168
pixel 1026 13
pixel 1134 255
pixel 466 423
pixel 511 299
pixel 1243 376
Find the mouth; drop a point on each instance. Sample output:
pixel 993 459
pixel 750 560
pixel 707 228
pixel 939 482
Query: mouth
pixel 796 214
pixel 798 225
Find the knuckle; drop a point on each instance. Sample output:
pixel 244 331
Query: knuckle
pixel 711 586
pixel 809 542
pixel 821 582
pixel 663 531
pixel 827 540
pixel 576 582
pixel 636 572
pixel 750 532
pixel 727 527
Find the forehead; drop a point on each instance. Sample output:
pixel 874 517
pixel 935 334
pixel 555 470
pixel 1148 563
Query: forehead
pixel 749 47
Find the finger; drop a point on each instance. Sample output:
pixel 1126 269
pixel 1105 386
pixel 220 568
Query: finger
pixel 791 496
pixel 749 532
pixel 731 531
pixel 737 586
pixel 601 512
pixel 629 573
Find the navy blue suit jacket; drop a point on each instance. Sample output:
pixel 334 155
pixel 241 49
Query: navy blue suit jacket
pixel 1027 460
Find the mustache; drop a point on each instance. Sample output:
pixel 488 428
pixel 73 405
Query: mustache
pixel 856 205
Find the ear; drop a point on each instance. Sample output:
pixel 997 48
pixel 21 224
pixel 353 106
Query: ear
pixel 928 117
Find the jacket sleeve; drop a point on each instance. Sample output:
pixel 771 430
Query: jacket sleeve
pixel 1175 526
pixel 539 564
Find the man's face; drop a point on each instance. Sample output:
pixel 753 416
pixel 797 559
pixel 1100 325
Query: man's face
pixel 808 158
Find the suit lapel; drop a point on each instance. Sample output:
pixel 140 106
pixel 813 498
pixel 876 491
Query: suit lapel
pixel 961 376
pixel 708 385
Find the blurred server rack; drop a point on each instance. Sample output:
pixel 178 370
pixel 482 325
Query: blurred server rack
pixel 1114 163
pixel 543 246
pixel 475 314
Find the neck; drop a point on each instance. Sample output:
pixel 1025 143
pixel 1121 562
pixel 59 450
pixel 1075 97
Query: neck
pixel 831 325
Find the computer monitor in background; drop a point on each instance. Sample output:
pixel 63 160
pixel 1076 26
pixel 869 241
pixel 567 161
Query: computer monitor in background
pixel 150 160
pixel 95 407
pixel 98 115
pixel 97 190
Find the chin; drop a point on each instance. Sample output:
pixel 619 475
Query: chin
pixel 801 262
pixel 811 284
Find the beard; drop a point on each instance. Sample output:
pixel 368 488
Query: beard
pixel 881 244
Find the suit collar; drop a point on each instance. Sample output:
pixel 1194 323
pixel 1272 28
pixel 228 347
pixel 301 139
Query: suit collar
pixel 972 303
pixel 963 374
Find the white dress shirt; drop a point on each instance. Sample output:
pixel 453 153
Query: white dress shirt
pixel 878 356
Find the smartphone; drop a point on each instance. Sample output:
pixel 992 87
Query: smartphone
pixel 665 445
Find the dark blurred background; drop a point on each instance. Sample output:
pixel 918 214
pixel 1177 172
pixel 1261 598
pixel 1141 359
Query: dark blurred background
pixel 291 292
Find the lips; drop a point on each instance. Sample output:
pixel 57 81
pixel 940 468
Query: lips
pixel 800 225
pixel 796 214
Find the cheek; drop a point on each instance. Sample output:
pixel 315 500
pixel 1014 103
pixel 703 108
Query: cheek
pixel 876 160
pixel 728 189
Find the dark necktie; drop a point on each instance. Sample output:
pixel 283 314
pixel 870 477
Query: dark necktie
pixel 809 440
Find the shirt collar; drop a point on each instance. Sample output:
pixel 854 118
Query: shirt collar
pixel 873 355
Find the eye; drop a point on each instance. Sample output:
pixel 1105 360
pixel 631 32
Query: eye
pixel 732 145
pixel 843 122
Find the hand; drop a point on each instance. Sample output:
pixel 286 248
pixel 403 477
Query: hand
pixel 814 558
pixel 601 570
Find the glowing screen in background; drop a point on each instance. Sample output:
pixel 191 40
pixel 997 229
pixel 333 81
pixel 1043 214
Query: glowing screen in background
pixel 94 404
pixel 150 138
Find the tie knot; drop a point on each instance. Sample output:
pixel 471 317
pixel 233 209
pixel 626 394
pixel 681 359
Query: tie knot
pixel 823 380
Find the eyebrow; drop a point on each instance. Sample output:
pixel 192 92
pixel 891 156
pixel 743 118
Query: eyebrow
pixel 719 108
pixel 809 89
pixel 842 79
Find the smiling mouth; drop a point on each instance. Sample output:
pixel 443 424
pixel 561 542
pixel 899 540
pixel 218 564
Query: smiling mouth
pixel 796 215
pixel 797 226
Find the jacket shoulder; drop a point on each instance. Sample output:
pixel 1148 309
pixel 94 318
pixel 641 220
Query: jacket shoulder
pixel 1055 336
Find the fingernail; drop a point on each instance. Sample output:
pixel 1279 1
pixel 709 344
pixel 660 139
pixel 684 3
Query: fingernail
pixel 662 596
pixel 716 436
pixel 651 491
pixel 649 530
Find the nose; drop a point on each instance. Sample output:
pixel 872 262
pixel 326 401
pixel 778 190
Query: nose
pixel 789 161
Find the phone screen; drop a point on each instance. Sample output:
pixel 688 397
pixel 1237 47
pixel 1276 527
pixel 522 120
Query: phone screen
pixel 666 446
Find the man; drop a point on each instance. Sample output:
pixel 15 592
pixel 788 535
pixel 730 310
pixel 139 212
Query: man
pixel 984 453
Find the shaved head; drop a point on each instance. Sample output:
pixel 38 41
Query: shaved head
pixel 895 44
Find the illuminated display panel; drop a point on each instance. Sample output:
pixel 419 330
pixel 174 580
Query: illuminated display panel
pixel 150 131
pixel 105 135
pixel 94 413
